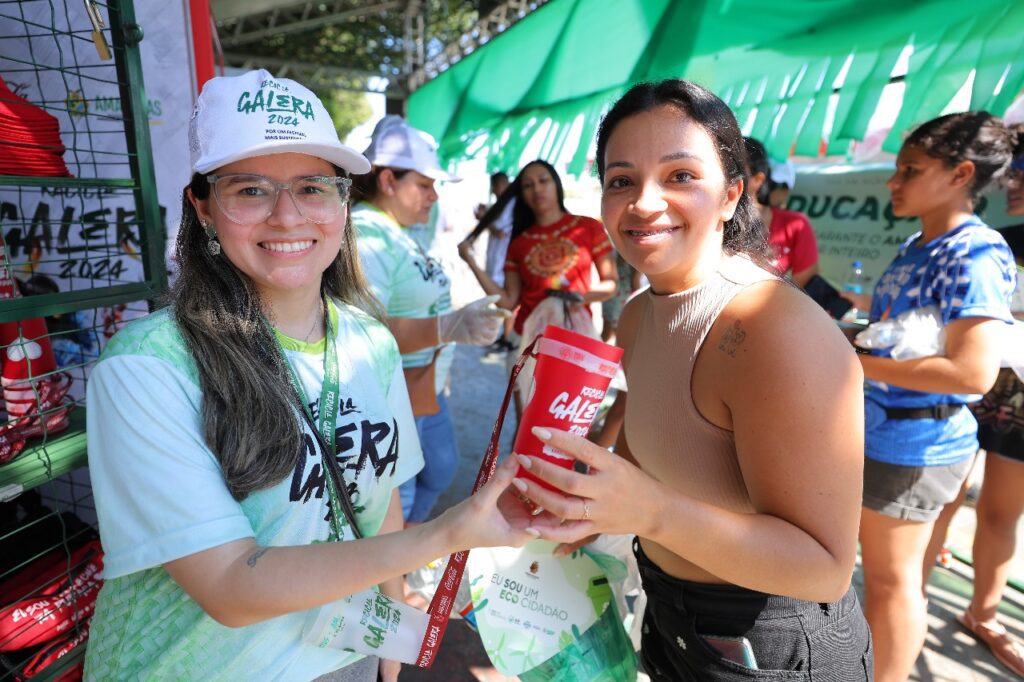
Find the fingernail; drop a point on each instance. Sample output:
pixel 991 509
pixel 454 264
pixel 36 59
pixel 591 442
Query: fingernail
pixel 541 432
pixel 533 531
pixel 519 484
pixel 524 461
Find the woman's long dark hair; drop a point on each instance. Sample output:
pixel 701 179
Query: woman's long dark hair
pixel 757 162
pixel 523 217
pixel 366 187
pixel 1017 130
pixel 248 413
pixel 744 233
pixel 975 136
pixel 491 214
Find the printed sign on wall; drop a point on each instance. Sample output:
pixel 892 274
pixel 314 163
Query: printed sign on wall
pixel 850 210
pixel 87 237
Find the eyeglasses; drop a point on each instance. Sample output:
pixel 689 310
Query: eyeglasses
pixel 250 199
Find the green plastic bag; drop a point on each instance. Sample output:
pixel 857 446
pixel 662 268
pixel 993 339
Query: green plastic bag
pixel 601 654
pixel 550 619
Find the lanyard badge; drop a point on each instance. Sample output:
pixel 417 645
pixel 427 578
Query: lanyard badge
pixel 323 430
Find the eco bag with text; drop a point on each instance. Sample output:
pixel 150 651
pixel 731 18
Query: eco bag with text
pixel 548 618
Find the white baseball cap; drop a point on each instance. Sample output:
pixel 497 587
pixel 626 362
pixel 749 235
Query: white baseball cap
pixel 395 144
pixel 783 172
pixel 255 114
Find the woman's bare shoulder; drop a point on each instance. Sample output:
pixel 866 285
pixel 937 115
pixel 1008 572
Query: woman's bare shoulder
pixel 775 327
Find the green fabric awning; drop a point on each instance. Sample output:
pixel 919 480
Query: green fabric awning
pixel 776 64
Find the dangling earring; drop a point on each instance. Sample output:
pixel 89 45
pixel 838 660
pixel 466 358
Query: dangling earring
pixel 213 246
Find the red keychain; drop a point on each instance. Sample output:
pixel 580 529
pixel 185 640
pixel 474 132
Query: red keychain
pixel 33 391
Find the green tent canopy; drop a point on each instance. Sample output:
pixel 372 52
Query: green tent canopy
pixel 804 76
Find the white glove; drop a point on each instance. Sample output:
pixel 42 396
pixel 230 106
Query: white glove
pixel 478 323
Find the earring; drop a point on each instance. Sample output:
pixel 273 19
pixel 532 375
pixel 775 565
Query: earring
pixel 213 246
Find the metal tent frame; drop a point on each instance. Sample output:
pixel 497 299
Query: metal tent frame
pixel 241 24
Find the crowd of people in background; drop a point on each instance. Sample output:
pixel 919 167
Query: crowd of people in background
pixel 304 364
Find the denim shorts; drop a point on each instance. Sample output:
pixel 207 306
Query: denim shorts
pixel 912 493
pixel 792 639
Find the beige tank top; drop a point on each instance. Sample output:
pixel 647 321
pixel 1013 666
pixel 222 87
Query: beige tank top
pixel 667 436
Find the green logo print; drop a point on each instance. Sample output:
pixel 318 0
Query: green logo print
pixel 270 102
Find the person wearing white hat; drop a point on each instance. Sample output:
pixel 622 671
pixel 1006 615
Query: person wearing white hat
pixel 789 232
pixel 246 442
pixel 414 289
pixel 781 181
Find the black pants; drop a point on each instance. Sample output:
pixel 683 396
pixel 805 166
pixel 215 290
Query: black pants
pixel 791 639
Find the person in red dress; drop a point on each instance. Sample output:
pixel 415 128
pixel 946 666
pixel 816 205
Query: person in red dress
pixel 789 232
pixel 551 253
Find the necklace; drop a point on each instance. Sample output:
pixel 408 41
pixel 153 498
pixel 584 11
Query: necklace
pixel 316 321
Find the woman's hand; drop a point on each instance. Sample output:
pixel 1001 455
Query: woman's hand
pixel 614 497
pixel 494 516
pixel 478 323
pixel 859 301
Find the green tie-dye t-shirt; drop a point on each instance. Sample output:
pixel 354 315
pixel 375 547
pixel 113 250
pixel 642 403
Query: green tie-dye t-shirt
pixel 160 496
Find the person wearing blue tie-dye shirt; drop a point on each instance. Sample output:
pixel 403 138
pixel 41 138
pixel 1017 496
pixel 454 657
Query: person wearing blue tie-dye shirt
pixel 999 505
pixel 919 435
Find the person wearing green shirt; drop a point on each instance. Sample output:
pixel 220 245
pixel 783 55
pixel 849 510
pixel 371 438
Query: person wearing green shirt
pixel 414 290
pixel 246 442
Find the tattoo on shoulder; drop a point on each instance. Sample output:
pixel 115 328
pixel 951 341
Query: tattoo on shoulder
pixel 731 340
pixel 256 556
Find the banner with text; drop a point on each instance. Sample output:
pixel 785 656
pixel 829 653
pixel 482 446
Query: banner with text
pixel 88 237
pixel 850 210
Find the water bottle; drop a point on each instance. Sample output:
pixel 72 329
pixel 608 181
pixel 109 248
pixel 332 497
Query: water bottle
pixel 855 285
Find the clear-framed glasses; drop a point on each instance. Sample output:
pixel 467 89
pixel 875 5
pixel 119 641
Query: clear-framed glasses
pixel 250 199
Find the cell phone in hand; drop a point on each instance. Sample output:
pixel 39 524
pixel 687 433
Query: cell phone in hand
pixel 827 296
pixel 735 649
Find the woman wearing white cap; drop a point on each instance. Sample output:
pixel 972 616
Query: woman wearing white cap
pixel 228 519
pixel 414 289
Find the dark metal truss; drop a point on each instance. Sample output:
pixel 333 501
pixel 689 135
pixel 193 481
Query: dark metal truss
pixel 320 76
pixel 499 20
pixel 293 18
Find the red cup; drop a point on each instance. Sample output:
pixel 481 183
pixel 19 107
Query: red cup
pixel 570 381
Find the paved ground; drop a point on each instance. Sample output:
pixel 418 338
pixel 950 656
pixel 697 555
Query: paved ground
pixel 477 384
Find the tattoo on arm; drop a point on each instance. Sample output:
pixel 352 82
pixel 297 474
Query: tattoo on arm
pixel 256 556
pixel 732 339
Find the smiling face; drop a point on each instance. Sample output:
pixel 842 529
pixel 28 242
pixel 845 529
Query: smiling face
pixel 285 253
pixel 923 185
pixel 538 189
pixel 665 197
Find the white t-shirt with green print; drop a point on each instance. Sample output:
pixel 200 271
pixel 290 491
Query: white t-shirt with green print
pixel 406 281
pixel 160 496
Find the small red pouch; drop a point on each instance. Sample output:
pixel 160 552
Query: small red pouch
pixel 56 650
pixel 53 609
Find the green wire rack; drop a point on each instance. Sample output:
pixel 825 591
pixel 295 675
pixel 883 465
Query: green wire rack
pixel 85 249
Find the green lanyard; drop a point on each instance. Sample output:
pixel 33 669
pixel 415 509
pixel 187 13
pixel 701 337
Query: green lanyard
pixel 325 426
